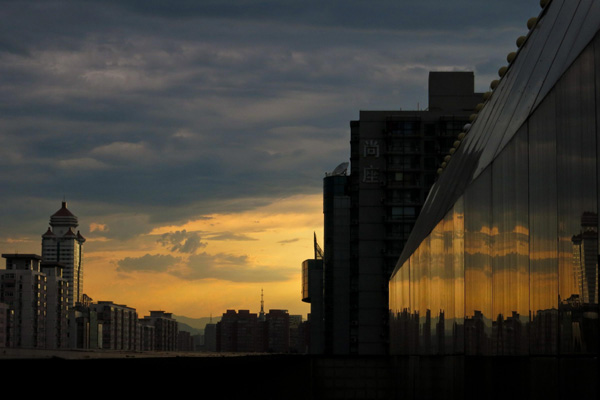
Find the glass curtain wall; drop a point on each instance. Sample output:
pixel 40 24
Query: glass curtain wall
pixel 512 269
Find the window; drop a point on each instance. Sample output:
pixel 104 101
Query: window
pixel 402 212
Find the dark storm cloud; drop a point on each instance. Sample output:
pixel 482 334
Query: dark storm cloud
pixel 358 14
pixel 174 110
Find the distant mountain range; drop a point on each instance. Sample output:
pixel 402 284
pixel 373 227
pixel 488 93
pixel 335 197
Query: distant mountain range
pixel 194 326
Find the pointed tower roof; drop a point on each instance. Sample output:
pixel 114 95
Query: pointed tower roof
pixel 64 217
pixel 70 232
pixel 48 233
pixel 80 237
pixel 63 212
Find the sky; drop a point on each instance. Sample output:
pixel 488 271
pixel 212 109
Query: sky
pixel 191 138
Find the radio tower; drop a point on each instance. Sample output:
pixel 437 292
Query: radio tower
pixel 261 315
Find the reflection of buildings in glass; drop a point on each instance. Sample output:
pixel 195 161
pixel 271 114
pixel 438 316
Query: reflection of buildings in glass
pixel 426 334
pixel 507 337
pixel 578 323
pixel 526 176
pixel 417 336
pixel 544 331
pixel 476 339
pixel 440 333
pixel 579 312
pixel 585 258
pixel 570 320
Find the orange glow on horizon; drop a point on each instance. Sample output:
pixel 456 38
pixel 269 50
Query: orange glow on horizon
pixel 276 238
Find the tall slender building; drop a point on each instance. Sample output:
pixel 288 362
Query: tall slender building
pixel 63 244
pixel 369 214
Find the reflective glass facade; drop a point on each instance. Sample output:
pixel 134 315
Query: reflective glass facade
pixel 505 259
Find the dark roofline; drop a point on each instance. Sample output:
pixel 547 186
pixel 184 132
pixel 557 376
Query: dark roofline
pixel 25 256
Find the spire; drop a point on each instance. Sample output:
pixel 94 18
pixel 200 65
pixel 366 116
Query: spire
pixel 261 315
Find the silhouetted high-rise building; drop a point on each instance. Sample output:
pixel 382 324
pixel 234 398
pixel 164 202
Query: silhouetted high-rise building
pixel 63 244
pixel 57 334
pixel 120 327
pixel 165 330
pixel 6 323
pixel 210 337
pixel 394 157
pixel 336 261
pixel 278 331
pixel 23 288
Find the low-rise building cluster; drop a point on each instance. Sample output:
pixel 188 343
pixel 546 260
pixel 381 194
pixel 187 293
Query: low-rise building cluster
pixel 34 314
pixel 274 332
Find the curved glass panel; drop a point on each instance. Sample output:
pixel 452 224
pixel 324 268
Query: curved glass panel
pixel 543 224
pixel 478 266
pixel 512 267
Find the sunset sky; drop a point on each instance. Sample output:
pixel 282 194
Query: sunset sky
pixel 190 138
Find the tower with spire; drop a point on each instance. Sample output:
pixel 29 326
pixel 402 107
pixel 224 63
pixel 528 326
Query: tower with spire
pixel 63 244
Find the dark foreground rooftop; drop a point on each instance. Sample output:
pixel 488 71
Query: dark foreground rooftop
pixel 302 377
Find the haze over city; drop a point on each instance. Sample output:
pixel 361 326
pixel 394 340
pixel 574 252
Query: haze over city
pixel 191 138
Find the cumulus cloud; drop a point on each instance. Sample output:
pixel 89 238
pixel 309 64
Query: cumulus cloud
pixel 98 227
pixel 231 268
pixel 182 241
pixel 147 263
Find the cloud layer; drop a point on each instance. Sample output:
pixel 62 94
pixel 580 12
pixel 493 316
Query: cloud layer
pixel 151 113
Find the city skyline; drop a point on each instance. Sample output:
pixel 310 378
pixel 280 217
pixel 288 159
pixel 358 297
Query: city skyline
pixel 191 140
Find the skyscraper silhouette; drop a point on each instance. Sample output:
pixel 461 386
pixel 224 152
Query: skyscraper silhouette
pixel 62 244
